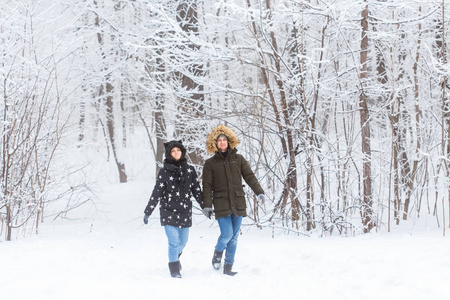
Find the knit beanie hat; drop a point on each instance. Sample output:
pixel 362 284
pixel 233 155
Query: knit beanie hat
pixel 222 136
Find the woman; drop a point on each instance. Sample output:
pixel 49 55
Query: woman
pixel 176 183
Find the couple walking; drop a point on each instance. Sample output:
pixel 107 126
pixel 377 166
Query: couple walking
pixel 222 196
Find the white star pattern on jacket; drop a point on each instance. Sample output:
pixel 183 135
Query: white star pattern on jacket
pixel 173 191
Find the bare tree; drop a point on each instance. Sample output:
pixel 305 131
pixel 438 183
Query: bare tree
pixel 445 102
pixel 106 94
pixel 33 122
pixel 367 201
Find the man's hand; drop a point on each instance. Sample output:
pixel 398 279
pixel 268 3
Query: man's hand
pixel 261 198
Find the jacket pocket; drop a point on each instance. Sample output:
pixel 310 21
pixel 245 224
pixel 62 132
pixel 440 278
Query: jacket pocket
pixel 240 200
pixel 220 201
pixel 221 194
pixel 239 193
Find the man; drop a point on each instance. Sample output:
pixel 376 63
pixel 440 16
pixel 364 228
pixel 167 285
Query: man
pixel 222 188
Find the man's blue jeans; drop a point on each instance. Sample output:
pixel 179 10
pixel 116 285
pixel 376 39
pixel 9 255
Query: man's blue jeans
pixel 177 238
pixel 229 232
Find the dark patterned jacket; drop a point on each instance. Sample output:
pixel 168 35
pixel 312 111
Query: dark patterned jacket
pixel 173 190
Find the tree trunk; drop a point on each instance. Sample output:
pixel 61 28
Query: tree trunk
pixel 160 124
pixel 110 120
pixel 8 223
pixel 111 132
pixel 192 103
pixel 82 121
pixel 446 109
pixel 291 174
pixel 366 211
pixel 160 132
pixel 417 108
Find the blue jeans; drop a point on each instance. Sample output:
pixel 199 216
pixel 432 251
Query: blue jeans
pixel 229 232
pixel 177 238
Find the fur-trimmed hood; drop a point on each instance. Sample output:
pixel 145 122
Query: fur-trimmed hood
pixel 211 140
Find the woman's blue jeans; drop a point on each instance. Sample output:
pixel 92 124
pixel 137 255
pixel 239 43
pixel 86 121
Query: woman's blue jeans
pixel 177 238
pixel 229 232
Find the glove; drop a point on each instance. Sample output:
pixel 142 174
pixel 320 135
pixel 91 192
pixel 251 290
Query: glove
pixel 146 219
pixel 261 198
pixel 207 211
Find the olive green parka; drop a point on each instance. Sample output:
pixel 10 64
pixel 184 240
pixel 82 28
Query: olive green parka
pixel 222 177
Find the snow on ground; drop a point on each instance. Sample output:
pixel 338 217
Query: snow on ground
pixel 115 256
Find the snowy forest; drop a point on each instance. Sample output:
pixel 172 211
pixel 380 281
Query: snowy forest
pixel 341 107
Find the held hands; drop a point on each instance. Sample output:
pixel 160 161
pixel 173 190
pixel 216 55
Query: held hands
pixel 208 212
pixel 146 219
pixel 261 198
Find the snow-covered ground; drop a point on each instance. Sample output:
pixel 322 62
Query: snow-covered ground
pixel 114 256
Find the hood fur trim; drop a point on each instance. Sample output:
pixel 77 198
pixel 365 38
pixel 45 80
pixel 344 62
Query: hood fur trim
pixel 211 140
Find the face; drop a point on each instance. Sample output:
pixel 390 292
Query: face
pixel 175 153
pixel 222 144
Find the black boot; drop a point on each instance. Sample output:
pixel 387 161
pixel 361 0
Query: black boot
pixel 227 270
pixel 174 268
pixel 179 259
pixel 216 260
